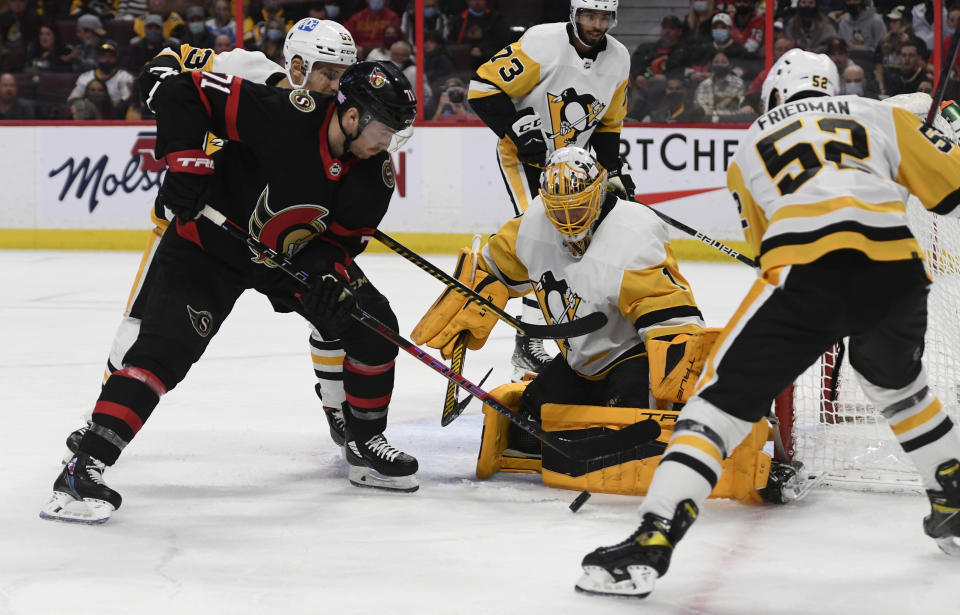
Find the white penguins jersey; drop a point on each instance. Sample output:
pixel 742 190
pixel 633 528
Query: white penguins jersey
pixel 628 273
pixel 832 173
pixel 574 96
pixel 250 65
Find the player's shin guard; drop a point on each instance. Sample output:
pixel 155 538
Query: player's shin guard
pixel 631 567
pixel 328 367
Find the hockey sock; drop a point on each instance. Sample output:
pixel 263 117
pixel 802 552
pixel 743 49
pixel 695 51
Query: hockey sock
pixel 328 367
pixel 690 468
pixel 126 402
pixel 368 389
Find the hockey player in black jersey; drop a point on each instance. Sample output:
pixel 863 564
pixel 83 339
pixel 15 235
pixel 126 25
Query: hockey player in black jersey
pixel 308 176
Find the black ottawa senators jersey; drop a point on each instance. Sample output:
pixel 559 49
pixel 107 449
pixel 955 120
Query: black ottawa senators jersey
pixel 274 170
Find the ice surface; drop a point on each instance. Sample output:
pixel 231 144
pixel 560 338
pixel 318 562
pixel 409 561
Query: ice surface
pixel 236 501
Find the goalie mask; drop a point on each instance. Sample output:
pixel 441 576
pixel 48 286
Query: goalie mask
pixel 576 6
pixel 799 71
pixel 572 188
pixel 317 41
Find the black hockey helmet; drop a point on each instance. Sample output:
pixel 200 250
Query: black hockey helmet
pixel 379 91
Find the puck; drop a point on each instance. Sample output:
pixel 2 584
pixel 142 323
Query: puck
pixel 579 501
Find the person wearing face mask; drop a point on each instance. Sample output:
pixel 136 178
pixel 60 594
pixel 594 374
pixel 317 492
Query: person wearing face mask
pixel 949 31
pixel 696 25
pixel 198 35
pixel 96 92
pixel 367 26
pixel 720 95
pixel 677 105
pixel 271 39
pixel 255 35
pixel 148 45
pixel 861 27
pixel 222 22
pixel 748 27
pixel 721 41
pixel 854 82
pixel 391 34
pixel 172 24
pixel 809 28
pixel 119 82
pixel 480 27
pixel 433 20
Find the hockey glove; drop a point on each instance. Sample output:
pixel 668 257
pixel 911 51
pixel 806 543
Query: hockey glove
pixel 526 132
pixel 621 184
pixel 329 303
pixel 186 186
pixel 153 74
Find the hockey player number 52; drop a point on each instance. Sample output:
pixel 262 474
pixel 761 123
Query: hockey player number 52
pixel 805 153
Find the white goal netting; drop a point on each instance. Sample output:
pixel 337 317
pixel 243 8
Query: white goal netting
pixel 843 435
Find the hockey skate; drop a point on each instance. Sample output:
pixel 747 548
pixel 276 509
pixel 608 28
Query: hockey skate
pixel 943 522
pixel 73 443
pixel 80 495
pixel 529 358
pixel 375 463
pixel 337 425
pixel 631 568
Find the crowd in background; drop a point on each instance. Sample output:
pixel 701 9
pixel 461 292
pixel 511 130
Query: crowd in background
pixel 62 59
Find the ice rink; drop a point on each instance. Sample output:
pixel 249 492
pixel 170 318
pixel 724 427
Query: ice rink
pixel 237 502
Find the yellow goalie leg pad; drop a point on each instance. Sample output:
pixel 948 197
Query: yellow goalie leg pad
pixel 675 364
pixel 744 472
pixel 494 440
pixel 452 314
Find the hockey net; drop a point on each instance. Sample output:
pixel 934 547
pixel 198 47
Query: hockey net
pixel 833 429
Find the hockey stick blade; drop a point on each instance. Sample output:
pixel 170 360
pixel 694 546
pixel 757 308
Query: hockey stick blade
pixel 460 406
pixel 582 325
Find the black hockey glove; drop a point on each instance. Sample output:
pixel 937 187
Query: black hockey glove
pixel 328 303
pixel 621 184
pixel 153 74
pixel 526 132
pixel 186 186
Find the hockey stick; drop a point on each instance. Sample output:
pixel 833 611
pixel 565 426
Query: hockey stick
pixel 713 243
pixel 594 447
pixel 450 401
pixel 942 85
pixel 574 328
pixel 461 406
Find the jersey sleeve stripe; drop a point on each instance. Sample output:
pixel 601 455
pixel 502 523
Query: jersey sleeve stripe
pixel 203 96
pixel 231 110
pixel 948 204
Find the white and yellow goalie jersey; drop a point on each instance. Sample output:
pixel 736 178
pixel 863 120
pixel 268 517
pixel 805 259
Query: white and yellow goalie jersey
pixel 833 173
pixel 250 65
pixel 629 273
pixel 573 95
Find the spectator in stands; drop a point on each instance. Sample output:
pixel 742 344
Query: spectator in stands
pixel 400 55
pixel 926 85
pixel 913 70
pixel 271 39
pixel 367 26
pixel 46 54
pixel 253 32
pixel 837 50
pixel 676 105
pixel 128 10
pixel 391 34
pixel 332 10
pixel 651 61
pixel 197 34
pixel 481 28
pixel 103 9
pixel 854 81
pixel 90 33
pixel 921 17
pixel 697 24
pixel 953 23
pixel 222 21
pixel 720 94
pixel 96 92
pixel 861 27
pixel 11 106
pixel 452 103
pixel 437 62
pixel 172 25
pixel 18 26
pixel 149 45
pixel 433 19
pixel 118 80
pixel 223 43
pixel 721 41
pixel 809 28
pixel 886 57
pixel 748 27
pixel 751 98
pixel 136 110
pixel 83 109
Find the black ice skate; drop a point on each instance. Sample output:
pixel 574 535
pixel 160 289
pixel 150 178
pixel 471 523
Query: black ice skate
pixel 337 424
pixel 943 522
pixel 529 357
pixel 79 493
pixel 375 463
pixel 631 568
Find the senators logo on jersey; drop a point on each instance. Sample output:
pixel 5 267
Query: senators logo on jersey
pixel 286 231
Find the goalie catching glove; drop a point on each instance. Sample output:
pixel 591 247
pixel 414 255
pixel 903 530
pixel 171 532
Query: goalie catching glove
pixel 675 364
pixel 452 314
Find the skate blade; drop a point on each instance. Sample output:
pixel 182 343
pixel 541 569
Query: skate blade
pixel 365 477
pixel 597 581
pixel 63 507
pixel 949 545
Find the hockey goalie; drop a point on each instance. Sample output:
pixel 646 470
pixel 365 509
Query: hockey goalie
pixel 579 249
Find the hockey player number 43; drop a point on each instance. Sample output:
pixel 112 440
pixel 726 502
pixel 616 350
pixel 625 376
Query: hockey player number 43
pixel 775 161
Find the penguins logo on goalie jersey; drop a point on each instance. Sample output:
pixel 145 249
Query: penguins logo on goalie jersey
pixel 286 231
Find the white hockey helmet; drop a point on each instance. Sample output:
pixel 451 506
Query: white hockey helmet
pixel 572 187
pixel 576 6
pixel 799 71
pixel 318 40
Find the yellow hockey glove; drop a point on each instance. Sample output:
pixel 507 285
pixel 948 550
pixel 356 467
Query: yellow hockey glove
pixel 451 313
pixel 675 364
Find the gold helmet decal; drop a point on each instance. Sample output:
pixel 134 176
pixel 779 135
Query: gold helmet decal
pixel 288 230
pixel 571 114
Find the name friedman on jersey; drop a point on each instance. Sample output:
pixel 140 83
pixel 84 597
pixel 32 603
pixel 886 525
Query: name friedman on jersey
pixel 802 106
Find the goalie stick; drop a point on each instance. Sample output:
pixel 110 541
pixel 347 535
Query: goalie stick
pixel 610 443
pixel 450 401
pixel 573 328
